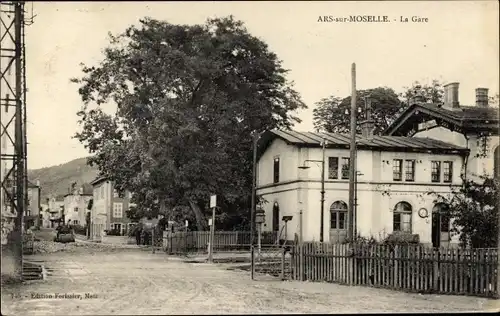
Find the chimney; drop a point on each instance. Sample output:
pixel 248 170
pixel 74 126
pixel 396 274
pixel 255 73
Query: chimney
pixel 482 97
pixel 38 181
pixel 368 125
pixel 451 95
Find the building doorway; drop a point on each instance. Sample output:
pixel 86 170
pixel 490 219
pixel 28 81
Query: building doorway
pixel 338 222
pixel 440 225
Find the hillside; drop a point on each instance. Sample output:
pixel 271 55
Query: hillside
pixel 56 180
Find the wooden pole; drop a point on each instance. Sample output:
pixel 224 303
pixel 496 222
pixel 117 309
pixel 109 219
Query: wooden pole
pixel 498 254
pixel 254 187
pixel 212 237
pixel 352 159
pixel 153 239
pixel 300 227
pixel 322 219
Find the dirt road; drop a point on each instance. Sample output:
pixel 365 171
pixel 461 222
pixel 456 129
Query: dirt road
pixel 132 281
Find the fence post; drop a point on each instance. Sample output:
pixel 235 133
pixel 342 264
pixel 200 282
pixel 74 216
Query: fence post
pixel 282 274
pixel 252 262
pixel 153 239
pixel 435 270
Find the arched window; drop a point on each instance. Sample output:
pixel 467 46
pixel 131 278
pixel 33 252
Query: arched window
pixel 276 217
pixel 402 217
pixel 338 215
pixel 496 161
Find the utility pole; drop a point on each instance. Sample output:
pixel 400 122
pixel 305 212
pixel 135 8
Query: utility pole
pixel 255 138
pixel 352 159
pixel 322 221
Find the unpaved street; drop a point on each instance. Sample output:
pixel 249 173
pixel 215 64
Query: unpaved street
pixel 133 281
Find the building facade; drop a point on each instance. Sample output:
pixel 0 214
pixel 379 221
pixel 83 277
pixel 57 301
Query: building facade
pixel 32 215
pixel 75 205
pixel 108 209
pixel 473 127
pixel 394 178
pixel 56 210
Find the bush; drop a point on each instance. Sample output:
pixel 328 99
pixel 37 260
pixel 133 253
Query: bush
pixel 402 238
pixel 79 229
pixel 133 230
pixel 360 240
pixel 113 232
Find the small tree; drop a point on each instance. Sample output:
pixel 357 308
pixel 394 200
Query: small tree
pixel 474 210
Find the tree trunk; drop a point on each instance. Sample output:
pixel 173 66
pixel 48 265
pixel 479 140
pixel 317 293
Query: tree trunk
pixel 200 219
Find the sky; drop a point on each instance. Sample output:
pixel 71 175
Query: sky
pixel 458 43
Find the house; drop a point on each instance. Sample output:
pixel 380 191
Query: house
pixel 75 204
pixel 56 210
pixel 473 127
pixel 32 214
pixel 108 208
pixel 44 209
pixel 394 176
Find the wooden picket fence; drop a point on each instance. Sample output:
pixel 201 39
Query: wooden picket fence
pixel 407 268
pixel 197 241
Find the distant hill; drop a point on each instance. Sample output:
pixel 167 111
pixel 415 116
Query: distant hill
pixel 56 180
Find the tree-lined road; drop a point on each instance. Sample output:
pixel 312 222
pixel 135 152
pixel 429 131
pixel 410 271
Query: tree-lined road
pixel 137 282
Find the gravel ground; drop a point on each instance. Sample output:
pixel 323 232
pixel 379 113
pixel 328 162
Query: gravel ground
pixel 135 282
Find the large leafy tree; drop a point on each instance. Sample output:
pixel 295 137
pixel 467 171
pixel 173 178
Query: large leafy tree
pixel 188 100
pixel 332 114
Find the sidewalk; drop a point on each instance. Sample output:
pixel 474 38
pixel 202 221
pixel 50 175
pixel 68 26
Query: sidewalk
pixel 84 240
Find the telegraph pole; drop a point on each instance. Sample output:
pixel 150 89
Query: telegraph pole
pixel 352 159
pixel 322 221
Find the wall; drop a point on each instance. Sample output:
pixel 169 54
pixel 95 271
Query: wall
pixel 476 166
pixel 100 210
pixel 377 192
pixel 76 201
pixel 289 156
pixel 34 203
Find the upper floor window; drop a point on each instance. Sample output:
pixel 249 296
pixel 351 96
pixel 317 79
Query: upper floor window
pixel 435 171
pixel 447 171
pixel 76 209
pixel 397 169
pixel 345 168
pixel 276 170
pixel 117 210
pixel 115 193
pixel 410 170
pixel 333 167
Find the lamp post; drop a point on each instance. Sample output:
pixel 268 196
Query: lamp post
pixel 322 161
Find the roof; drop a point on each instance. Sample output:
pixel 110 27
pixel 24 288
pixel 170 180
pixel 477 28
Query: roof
pixel 463 119
pixel 32 185
pixel 98 180
pixel 382 143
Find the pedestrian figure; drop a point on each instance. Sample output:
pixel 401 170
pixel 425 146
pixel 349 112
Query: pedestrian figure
pixel 138 234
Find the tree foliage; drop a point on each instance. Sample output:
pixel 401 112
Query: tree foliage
pixel 474 212
pixel 426 93
pixel 188 100
pixel 332 114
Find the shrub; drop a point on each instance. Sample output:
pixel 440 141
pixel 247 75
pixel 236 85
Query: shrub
pixel 402 238
pixel 79 229
pixel 113 232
